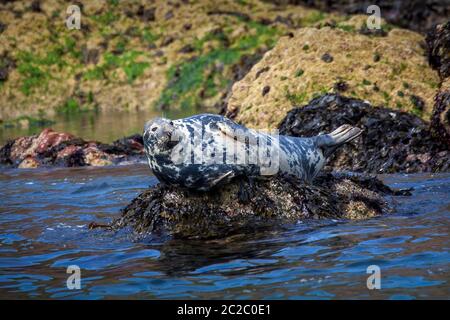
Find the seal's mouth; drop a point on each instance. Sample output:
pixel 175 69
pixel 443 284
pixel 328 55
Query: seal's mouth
pixel 171 144
pixel 173 139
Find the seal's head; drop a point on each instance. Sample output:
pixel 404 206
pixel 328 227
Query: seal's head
pixel 159 136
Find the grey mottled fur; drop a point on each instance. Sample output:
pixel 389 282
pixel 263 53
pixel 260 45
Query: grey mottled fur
pixel 164 140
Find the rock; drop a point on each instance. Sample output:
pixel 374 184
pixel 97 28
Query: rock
pixel 2 27
pixel 168 15
pixel 36 6
pixel 440 120
pixel 326 57
pixel 7 64
pixel 62 149
pixel 146 14
pixel 247 205
pixel 265 90
pixel 167 40
pixel 438 42
pixel 47 52
pixel 419 15
pixel 240 15
pixel 28 163
pixel 392 141
pixel 187 49
pixel 238 71
pixel 402 66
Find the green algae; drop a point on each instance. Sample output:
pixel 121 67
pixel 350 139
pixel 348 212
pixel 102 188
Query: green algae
pixel 126 61
pixel 193 80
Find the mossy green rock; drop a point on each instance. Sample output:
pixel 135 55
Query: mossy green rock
pixel 390 70
pixel 132 54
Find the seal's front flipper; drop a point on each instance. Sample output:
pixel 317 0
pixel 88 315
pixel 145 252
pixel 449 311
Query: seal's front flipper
pixel 238 132
pixel 331 141
pixel 224 178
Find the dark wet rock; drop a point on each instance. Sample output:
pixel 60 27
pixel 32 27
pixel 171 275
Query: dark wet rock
pixel 35 6
pixel 3 73
pixel 376 57
pixel 289 34
pixel 158 53
pixel 146 14
pixel 7 64
pixel 2 27
pixel 167 40
pixel 187 49
pixel 440 119
pixel 392 141
pixel 243 205
pixel 151 46
pixel 51 148
pixel 418 102
pixel 265 21
pixel 261 71
pixel 132 145
pixel 326 57
pixel 419 15
pixel 340 86
pixel 240 15
pixel 372 32
pixel 168 15
pixel 438 42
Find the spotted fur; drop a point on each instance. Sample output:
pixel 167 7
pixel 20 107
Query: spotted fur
pixel 204 140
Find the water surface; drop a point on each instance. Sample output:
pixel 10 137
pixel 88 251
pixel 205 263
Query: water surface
pixel 104 126
pixel 44 214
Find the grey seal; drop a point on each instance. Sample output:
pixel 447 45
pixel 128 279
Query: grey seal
pixel 207 150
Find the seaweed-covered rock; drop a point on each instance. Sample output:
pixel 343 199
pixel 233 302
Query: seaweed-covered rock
pixel 133 54
pixel 440 120
pixel 438 42
pixel 392 141
pixel 417 15
pixel 63 149
pixel 246 205
pixel 390 70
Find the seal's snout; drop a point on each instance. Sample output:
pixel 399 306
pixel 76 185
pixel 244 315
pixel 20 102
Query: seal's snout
pixel 159 134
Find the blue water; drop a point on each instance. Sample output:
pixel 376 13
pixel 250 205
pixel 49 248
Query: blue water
pixel 44 215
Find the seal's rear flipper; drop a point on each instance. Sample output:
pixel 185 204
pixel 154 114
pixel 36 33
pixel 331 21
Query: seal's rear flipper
pixel 331 141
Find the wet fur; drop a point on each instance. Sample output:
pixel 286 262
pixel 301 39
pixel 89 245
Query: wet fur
pixel 163 138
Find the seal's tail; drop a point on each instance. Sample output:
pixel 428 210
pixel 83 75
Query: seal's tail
pixel 331 141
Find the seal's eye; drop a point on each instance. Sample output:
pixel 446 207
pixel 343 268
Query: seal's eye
pixel 154 129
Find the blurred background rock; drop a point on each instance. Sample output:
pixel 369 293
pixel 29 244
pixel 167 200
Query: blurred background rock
pixel 132 60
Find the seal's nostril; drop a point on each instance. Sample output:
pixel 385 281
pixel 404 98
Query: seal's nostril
pixel 154 128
